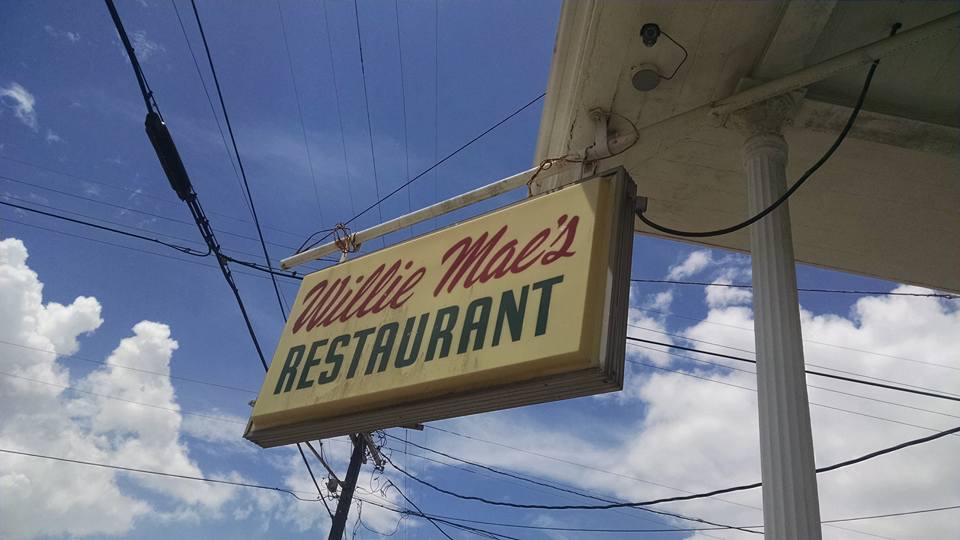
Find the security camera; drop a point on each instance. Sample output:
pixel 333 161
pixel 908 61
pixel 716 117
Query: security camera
pixel 650 32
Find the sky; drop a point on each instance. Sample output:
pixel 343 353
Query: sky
pixel 74 299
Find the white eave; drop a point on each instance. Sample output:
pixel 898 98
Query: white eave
pixel 886 205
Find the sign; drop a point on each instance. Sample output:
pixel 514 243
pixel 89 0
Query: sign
pixel 523 305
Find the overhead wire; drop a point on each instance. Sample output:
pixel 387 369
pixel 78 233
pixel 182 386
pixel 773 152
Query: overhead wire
pixel 403 111
pixel 805 340
pixel 418 513
pixel 182 249
pixel 825 389
pixel 899 386
pixel 129 368
pixel 138 192
pixel 206 92
pixel 303 127
pixel 192 261
pixel 812 403
pixel 336 93
pixel 688 529
pixel 236 150
pixel 793 188
pixel 556 487
pixel 290 492
pixel 185 192
pixel 366 108
pixel 800 289
pixel 124 208
pixel 678 498
pixel 435 165
pixel 61 211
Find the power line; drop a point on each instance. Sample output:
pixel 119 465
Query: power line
pixel 303 127
pixel 413 504
pixel 129 248
pixel 832 345
pixel 793 188
pixel 206 92
pixel 821 405
pixel 900 387
pixel 130 368
pixel 419 513
pixel 292 493
pixel 181 249
pixel 554 486
pixel 180 182
pixel 141 193
pixel 115 398
pixel 127 208
pixel 117 224
pixel 800 289
pixel 842 464
pixel 437 164
pixel 403 110
pixel 825 389
pixel 366 107
pixel 690 529
pixel 336 93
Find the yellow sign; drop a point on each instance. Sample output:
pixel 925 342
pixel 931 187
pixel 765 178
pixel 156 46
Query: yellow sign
pixel 512 307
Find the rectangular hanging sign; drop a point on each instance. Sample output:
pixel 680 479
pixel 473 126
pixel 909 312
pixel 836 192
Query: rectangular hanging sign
pixel 525 304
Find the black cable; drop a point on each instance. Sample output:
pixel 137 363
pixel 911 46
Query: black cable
pixel 128 208
pixel 148 100
pixel 438 163
pixel 158 473
pixel 130 368
pixel 413 504
pixel 684 59
pixel 796 185
pixel 206 92
pixel 203 224
pixel 559 488
pixel 366 108
pixel 825 389
pixel 181 249
pixel 303 127
pixel 807 371
pixel 236 150
pixel 691 529
pixel 800 289
pixel 678 498
pixel 443 519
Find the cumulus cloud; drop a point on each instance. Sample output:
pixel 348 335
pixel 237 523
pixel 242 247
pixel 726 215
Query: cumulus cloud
pixel 52 137
pixel 695 428
pixel 692 265
pixel 22 102
pixel 47 410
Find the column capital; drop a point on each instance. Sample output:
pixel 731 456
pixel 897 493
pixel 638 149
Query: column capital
pixel 767 117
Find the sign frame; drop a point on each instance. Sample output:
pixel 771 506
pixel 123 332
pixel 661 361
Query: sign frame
pixel 606 376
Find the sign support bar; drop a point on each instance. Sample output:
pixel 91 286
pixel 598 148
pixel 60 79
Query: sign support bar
pixel 490 190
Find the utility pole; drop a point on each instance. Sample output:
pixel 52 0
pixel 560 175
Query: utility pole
pixel 349 486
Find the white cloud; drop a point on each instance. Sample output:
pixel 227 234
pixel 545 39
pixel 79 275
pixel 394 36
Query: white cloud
pixel 719 296
pixel 52 137
pixel 692 265
pixel 22 102
pixel 46 498
pixel 678 433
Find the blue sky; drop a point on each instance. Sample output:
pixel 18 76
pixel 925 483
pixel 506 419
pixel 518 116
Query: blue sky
pixel 72 139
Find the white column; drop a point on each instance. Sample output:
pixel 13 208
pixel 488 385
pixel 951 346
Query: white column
pixel 790 503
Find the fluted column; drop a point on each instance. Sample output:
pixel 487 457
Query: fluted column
pixel 790 502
